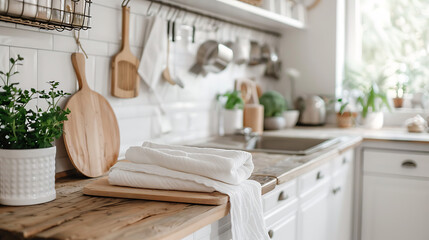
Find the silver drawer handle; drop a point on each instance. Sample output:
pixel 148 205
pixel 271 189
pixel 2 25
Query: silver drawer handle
pixel 319 176
pixel 336 190
pixel 283 196
pixel 271 233
pixel 409 164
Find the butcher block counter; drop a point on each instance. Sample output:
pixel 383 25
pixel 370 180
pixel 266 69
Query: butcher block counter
pixel 76 216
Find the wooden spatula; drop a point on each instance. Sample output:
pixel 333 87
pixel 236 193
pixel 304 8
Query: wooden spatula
pixel 125 79
pixel 91 135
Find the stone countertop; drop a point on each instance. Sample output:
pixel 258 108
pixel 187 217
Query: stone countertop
pixel 384 134
pixel 76 216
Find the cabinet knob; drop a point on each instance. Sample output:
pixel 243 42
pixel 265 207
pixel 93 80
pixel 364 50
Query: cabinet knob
pixel 319 175
pixel 336 190
pixel 283 196
pixel 344 160
pixel 409 164
pixel 271 233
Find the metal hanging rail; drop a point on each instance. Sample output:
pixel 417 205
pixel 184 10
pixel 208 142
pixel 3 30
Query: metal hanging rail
pixel 210 17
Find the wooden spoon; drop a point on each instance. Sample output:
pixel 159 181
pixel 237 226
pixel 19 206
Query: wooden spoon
pixel 91 133
pixel 166 73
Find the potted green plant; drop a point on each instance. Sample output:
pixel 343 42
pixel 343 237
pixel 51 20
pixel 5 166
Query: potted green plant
pixel 27 162
pixel 345 117
pixel 372 103
pixel 232 114
pixel 274 106
pixel 400 89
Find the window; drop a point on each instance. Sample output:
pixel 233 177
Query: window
pixel 388 44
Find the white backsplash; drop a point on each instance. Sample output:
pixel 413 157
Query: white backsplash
pixel 190 110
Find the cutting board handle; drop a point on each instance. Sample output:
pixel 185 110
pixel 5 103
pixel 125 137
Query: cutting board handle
pixel 78 60
pixel 125 27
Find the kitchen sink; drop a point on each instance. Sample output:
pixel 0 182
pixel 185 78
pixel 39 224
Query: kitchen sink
pixel 270 144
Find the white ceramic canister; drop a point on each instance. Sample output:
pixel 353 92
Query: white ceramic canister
pixel 26 8
pixel 232 120
pixel 27 176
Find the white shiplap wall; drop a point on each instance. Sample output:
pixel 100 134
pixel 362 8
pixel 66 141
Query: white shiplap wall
pixel 47 57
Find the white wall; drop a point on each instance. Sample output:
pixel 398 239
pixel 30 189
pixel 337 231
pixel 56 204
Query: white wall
pixel 317 52
pixel 47 57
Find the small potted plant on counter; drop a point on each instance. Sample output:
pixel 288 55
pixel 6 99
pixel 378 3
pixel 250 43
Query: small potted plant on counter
pixel 27 153
pixel 232 114
pixel 372 103
pixel 345 117
pixel 400 89
pixel 274 106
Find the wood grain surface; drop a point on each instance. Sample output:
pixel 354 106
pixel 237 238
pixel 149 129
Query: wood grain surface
pixel 76 216
pixel 101 187
pixel 125 79
pixel 91 135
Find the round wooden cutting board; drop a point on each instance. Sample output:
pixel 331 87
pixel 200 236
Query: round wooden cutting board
pixel 91 133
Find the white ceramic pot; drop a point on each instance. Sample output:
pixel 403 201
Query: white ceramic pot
pixel 373 120
pixel 291 118
pixel 232 120
pixel 274 123
pixel 27 176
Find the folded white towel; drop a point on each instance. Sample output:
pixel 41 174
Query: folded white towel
pixel 228 166
pixel 198 169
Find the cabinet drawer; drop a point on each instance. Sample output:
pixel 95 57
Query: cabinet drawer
pixel 345 160
pixel 313 178
pixel 396 162
pixel 282 194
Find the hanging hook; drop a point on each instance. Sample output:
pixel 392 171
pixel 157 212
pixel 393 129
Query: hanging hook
pixel 125 3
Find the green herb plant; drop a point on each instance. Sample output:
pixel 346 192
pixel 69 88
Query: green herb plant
pixel 22 127
pixel 343 105
pixel 373 100
pixel 274 104
pixel 400 89
pixel 233 100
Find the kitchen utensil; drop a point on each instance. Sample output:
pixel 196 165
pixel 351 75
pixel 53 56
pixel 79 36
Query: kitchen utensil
pixel 91 133
pixel 166 73
pixel 125 80
pixel 102 188
pixel 255 53
pixel 241 49
pixel 253 113
pixel 212 57
pixel 176 78
pixel 312 110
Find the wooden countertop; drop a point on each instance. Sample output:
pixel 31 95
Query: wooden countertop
pixel 76 216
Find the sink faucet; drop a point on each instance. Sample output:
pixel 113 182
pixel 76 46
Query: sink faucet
pixel 249 136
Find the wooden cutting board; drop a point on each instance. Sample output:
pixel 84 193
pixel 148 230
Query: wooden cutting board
pixel 91 133
pixel 102 188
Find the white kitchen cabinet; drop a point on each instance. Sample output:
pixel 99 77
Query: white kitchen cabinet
pixel 314 217
pixel 395 201
pixel 395 208
pixel 313 213
pixel 341 208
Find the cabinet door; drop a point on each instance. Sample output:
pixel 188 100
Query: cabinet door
pixel 314 218
pixel 395 208
pixel 341 205
pixel 285 229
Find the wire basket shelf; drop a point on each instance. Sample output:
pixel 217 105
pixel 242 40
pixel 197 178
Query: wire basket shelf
pixel 57 15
